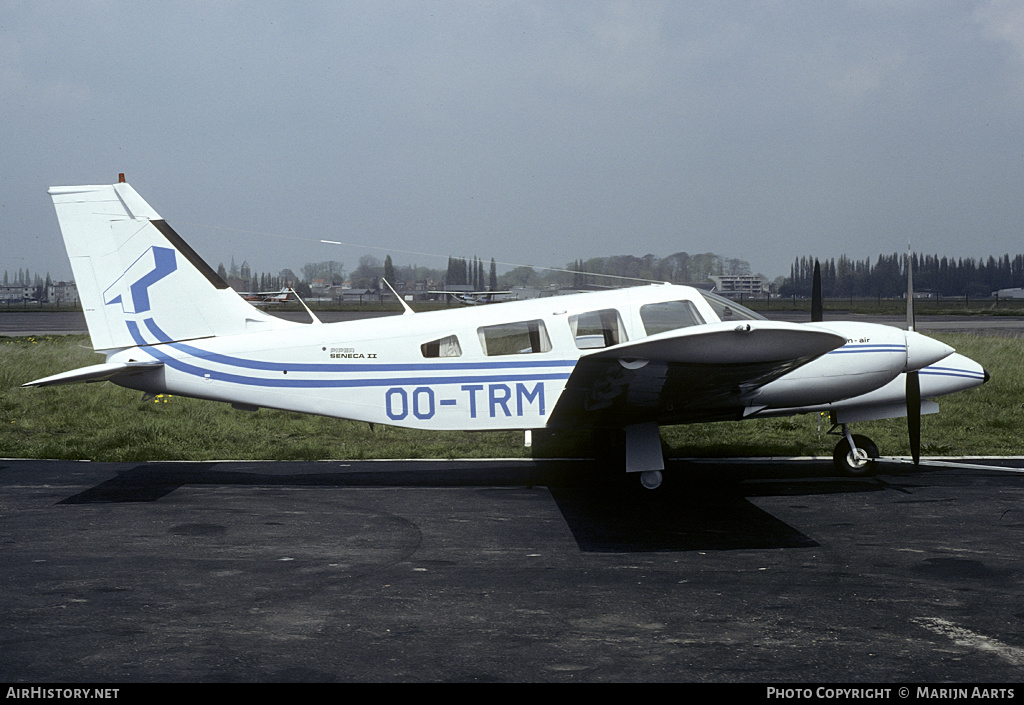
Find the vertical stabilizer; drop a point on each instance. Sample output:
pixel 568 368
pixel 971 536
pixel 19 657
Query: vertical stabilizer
pixel 138 281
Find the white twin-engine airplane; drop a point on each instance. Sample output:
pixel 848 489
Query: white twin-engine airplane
pixel 620 362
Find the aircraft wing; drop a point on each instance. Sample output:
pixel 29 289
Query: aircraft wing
pixel 703 373
pixel 95 373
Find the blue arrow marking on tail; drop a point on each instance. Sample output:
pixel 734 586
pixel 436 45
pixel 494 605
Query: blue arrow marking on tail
pixel 131 289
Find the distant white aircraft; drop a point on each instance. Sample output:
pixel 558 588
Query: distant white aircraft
pixel 621 362
pixel 475 298
pixel 266 298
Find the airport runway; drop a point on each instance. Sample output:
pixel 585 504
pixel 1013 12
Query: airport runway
pixel 1004 326
pixel 17 322
pixel 20 322
pixel 746 572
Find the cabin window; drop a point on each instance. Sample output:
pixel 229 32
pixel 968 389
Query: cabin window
pixel 519 338
pixel 442 347
pixel 727 310
pixel 597 329
pixel 669 315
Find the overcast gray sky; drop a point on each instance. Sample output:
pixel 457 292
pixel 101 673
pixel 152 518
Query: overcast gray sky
pixel 531 132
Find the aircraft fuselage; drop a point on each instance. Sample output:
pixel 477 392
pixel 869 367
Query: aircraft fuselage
pixel 433 370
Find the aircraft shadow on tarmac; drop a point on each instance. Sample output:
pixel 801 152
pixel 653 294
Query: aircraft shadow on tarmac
pixel 700 506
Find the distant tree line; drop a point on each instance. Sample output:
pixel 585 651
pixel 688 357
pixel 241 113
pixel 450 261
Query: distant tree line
pixel 25 278
pixel 257 281
pixel 887 276
pixel 462 272
pixel 678 268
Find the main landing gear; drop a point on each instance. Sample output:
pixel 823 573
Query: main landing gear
pixel 854 455
pixel 651 479
pixel 644 454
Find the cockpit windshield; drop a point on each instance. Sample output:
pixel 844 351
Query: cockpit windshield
pixel 727 310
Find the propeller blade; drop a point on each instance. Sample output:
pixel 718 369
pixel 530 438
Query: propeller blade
pixel 817 313
pixel 910 290
pixel 913 379
pixel 914 415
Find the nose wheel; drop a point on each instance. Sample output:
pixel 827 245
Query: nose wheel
pixel 855 456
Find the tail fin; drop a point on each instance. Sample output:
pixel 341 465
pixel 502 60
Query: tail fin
pixel 138 281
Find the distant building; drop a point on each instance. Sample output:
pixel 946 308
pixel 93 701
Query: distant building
pixel 1016 293
pixel 739 285
pixel 62 293
pixel 55 293
pixel 360 295
pixel 10 293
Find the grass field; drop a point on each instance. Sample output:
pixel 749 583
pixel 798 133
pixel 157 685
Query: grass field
pixel 104 422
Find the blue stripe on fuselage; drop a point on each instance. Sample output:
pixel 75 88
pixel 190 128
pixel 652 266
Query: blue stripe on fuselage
pixel 881 347
pixel 952 372
pixel 500 369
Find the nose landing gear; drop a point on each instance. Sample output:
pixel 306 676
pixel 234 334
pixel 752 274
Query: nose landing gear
pixel 855 455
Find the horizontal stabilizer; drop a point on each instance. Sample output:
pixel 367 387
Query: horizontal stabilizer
pixel 96 373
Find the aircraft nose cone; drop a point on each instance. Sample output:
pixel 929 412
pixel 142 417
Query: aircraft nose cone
pixel 923 351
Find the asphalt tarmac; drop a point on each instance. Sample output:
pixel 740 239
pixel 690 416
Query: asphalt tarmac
pixel 491 571
pixel 510 571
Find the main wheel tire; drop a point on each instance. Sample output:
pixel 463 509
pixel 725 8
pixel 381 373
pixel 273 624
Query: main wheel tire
pixel 651 479
pixel 864 464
